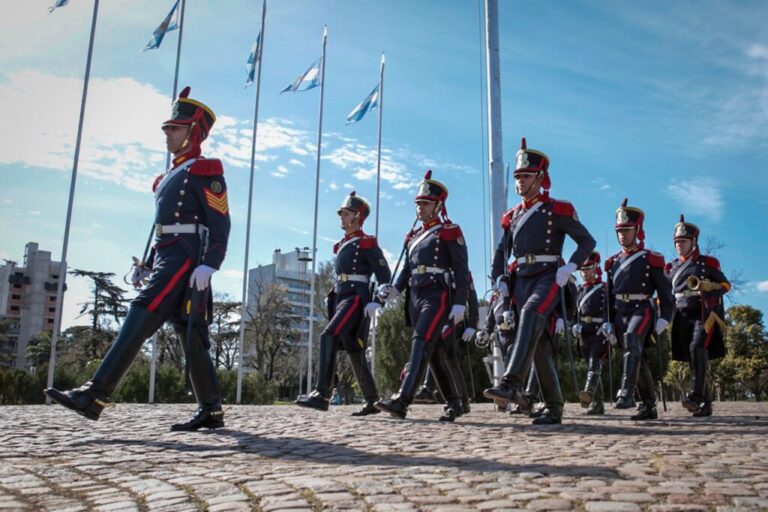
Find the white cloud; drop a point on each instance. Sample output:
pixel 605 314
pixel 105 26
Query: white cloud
pixel 762 286
pixel 297 163
pixel 699 196
pixel 231 273
pixel 298 230
pixel 758 51
pixel 333 186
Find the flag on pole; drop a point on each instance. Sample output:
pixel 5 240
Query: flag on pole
pixel 59 3
pixel 371 102
pixel 169 23
pixel 253 59
pixel 307 80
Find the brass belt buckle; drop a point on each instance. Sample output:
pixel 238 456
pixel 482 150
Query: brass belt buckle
pixel 588 319
pixel 158 230
pixel 625 297
pixel 421 269
pixel 530 258
pixel 343 278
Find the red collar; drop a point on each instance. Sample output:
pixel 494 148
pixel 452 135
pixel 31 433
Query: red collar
pixel 693 256
pixel 542 197
pixel 433 222
pixel 359 232
pixel 192 152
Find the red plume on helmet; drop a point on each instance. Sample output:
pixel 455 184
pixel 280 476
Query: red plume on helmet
pixel 630 216
pixel 433 190
pixel 189 112
pixel 531 161
pixel 593 262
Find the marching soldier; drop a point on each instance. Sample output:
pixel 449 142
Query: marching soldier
pixel 191 233
pixel 435 278
pixel 594 346
pixel 349 305
pixel 534 232
pixel 634 274
pixel 698 329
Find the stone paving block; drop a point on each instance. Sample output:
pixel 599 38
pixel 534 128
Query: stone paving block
pixel 611 506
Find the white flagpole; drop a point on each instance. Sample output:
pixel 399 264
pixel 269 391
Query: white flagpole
pixel 68 221
pixel 155 351
pixel 241 341
pixel 380 100
pixel 314 230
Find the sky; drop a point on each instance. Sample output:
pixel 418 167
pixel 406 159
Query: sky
pixel 663 103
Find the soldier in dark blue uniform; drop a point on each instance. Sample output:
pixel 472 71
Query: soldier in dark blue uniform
pixel 358 256
pixel 191 232
pixel 634 275
pixel 594 346
pixel 534 232
pixel 435 278
pixel 698 328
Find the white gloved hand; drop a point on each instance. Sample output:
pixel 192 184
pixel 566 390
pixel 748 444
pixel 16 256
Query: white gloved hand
pixel 612 340
pixel 509 318
pixel 201 277
pixel 607 329
pixel 371 308
pixel 387 292
pixel 140 274
pixel 457 313
pixel 661 324
pixel 467 334
pixel 501 286
pixel 564 272
pixel 576 330
pixel 559 326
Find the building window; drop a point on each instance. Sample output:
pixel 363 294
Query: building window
pixel 17 287
pixel 15 296
pixel 50 320
pixel 14 308
pixel 51 310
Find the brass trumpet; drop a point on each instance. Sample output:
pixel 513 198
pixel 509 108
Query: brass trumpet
pixel 703 285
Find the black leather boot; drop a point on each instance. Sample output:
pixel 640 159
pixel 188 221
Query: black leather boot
pixel 204 418
pixel 548 417
pixel 447 382
pixel 367 385
pixel 326 366
pixel 202 376
pixel 397 405
pixel 546 372
pixel 90 399
pixel 699 362
pixel 451 411
pixel 596 408
pixel 587 395
pixel 426 392
pixel 530 327
pixel 625 399
pixel 646 411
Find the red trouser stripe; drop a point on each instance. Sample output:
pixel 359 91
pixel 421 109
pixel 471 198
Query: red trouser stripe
pixel 548 300
pixel 346 316
pixel 644 323
pixel 708 339
pixel 175 279
pixel 439 314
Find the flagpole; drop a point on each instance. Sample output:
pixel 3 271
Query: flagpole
pixel 153 364
pixel 380 101
pixel 241 341
pixel 68 221
pixel 314 229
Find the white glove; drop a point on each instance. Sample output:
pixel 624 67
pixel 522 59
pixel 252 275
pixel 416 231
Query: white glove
pixel 201 277
pixel 661 324
pixel 371 308
pixel 467 334
pixel 564 272
pixel 387 292
pixel 576 330
pixel 612 340
pixel 457 313
pixel 607 329
pixel 559 326
pixel 140 274
pixel 501 286
pixel 509 318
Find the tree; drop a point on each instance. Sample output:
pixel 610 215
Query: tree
pixel 743 373
pixel 224 331
pixel 108 299
pixel 393 339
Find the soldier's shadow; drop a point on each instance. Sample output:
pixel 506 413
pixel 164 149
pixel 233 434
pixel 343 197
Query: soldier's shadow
pixel 322 452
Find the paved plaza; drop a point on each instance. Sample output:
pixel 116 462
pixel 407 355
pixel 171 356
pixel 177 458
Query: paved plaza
pixel 285 458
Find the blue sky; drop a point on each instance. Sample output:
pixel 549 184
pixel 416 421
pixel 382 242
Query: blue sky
pixel 666 103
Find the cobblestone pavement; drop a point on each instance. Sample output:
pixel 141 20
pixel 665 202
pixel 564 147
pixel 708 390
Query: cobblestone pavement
pixel 286 458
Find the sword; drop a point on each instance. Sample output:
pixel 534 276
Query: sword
pixel 568 339
pixel 657 339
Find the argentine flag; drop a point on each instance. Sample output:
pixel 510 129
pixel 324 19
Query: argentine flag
pixel 306 81
pixel 371 102
pixel 169 23
pixel 253 59
pixel 59 3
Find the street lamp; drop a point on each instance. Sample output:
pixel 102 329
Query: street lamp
pixel 302 255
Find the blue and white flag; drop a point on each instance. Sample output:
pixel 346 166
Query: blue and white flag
pixel 307 80
pixel 169 23
pixel 59 3
pixel 253 59
pixel 371 102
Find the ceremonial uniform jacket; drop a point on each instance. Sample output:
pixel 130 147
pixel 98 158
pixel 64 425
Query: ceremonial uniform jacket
pixel 696 305
pixel 193 191
pixel 538 228
pixel 635 277
pixel 591 306
pixel 358 254
pixel 436 257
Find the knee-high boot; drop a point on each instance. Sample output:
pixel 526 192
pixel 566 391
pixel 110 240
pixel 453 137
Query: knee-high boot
pixel 447 381
pixel 421 353
pixel 647 409
pixel 625 398
pixel 550 384
pixel 326 366
pixel 530 327
pixel 367 384
pixel 89 399
pixel 587 395
pixel 698 394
